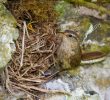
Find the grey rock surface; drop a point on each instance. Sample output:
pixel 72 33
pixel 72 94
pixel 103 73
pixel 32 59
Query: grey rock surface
pixel 8 33
pixel 91 83
pixel 107 94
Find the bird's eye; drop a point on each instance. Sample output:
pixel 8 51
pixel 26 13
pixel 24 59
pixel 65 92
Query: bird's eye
pixel 70 35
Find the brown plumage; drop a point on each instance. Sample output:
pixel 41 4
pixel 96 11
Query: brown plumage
pixel 69 52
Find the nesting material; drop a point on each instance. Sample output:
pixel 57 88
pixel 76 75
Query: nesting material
pixel 35 47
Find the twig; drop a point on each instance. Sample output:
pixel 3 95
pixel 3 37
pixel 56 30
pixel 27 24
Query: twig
pixel 43 90
pixel 42 51
pixel 37 81
pixel 7 82
pixel 32 44
pixel 36 65
pixel 26 91
pixel 23 40
pixel 28 79
pixel 27 30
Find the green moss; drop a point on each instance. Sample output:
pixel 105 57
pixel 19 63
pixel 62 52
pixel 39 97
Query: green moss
pixel 105 49
pixel 41 10
pixel 66 11
pixel 60 8
pixel 104 28
pixel 85 23
pixel 71 70
pixel 83 26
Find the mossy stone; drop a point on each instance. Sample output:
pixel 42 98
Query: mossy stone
pixel 8 33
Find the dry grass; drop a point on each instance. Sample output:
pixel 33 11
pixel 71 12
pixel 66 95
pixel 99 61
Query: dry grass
pixel 35 49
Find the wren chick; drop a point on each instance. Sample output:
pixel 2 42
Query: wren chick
pixel 69 51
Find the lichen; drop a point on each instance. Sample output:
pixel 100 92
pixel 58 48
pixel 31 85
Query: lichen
pixel 8 33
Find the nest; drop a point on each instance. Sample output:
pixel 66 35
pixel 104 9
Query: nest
pixel 35 47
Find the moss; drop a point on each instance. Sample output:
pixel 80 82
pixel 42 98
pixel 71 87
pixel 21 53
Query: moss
pixel 71 70
pixel 105 49
pixel 104 27
pixel 66 11
pixel 95 47
pixel 85 23
pixel 60 7
pixel 37 10
pixel 83 26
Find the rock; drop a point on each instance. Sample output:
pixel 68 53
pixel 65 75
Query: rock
pixel 98 38
pixel 90 12
pixel 57 85
pixel 67 16
pixel 94 33
pixel 80 94
pixel 94 77
pixel 3 1
pixel 107 94
pixel 91 82
pixel 7 96
pixel 8 33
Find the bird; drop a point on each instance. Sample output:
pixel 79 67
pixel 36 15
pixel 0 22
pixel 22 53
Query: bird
pixel 69 51
pixel 70 54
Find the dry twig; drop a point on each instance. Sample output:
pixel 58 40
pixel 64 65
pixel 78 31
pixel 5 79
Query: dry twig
pixel 23 44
